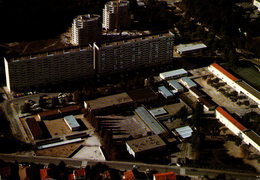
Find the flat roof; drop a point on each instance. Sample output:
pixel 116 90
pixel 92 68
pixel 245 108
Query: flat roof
pixel 150 121
pixel 175 84
pixel 189 82
pixel 70 109
pixel 137 39
pixel 231 119
pixel 34 127
pixel 173 73
pixel 146 143
pixel 158 111
pixel 141 94
pixel 72 122
pixel 165 91
pixel 108 101
pixel 90 152
pixel 185 131
pixel 197 92
pixel 223 71
pixel 253 136
pixel 49 113
pixel 249 89
pixel 190 47
pixel 56 52
pixel 207 102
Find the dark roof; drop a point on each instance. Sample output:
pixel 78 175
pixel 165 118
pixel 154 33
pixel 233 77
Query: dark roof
pixel 207 102
pixel 142 94
pixel 50 113
pixel 34 127
pixel 70 109
pixel 197 92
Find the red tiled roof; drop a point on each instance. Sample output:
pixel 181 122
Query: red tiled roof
pixel 79 172
pixel 129 175
pixel 71 177
pixel 230 118
pixel 43 173
pixel 225 72
pixel 165 176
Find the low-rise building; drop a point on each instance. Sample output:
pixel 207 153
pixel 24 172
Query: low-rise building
pixel 150 121
pixel 231 123
pixel 184 132
pixel 252 138
pixel 108 102
pixel 173 74
pixel 249 91
pixel 196 92
pixel 49 115
pixel 141 146
pixel 237 84
pixel 143 95
pixel 175 85
pixel 70 110
pixel 165 176
pixel 34 128
pixel 165 92
pixel 207 103
pixel 185 49
pixel 187 82
pixel 72 123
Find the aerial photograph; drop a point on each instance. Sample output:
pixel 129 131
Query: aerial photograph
pixel 130 90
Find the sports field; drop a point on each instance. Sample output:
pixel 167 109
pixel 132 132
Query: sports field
pixel 250 75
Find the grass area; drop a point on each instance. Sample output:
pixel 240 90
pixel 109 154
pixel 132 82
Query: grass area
pixel 250 75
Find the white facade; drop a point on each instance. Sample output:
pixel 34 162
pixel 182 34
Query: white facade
pixel 232 124
pixel 86 29
pixel 173 74
pixel 112 15
pixel 236 84
pixel 253 139
pixel 189 48
pixel 223 75
pixel 257 4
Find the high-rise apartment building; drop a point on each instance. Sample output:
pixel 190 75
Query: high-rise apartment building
pixel 86 29
pixel 23 73
pixel 133 53
pixel 116 15
pixel 67 65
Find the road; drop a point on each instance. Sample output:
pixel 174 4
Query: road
pixel 15 123
pixel 129 165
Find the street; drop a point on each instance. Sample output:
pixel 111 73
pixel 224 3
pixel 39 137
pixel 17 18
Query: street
pixel 121 165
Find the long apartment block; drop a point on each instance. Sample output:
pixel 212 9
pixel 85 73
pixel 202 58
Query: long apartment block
pixel 49 68
pixel 34 71
pixel 133 53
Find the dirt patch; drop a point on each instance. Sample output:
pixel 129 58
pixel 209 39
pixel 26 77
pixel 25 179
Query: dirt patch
pixel 59 151
pixel 57 127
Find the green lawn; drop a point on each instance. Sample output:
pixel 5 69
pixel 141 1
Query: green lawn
pixel 250 75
